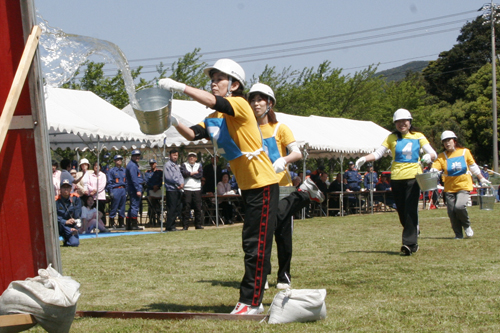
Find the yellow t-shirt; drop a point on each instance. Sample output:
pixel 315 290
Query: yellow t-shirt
pixel 462 182
pixel 283 137
pixel 405 154
pixel 244 130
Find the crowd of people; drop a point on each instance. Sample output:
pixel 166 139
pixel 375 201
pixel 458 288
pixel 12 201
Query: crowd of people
pixel 259 151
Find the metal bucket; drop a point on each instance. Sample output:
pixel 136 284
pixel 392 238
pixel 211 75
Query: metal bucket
pixel 286 190
pixel 428 181
pixel 487 201
pixel 153 112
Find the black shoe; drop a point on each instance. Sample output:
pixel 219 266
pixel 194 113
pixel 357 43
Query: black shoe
pixel 199 227
pixel 414 248
pixel 173 229
pixel 185 228
pixel 229 222
pixel 405 251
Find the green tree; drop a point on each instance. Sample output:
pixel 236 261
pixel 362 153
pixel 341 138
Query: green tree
pixel 447 76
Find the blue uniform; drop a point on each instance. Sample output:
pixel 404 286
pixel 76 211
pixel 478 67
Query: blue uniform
pixel 134 185
pixel 67 209
pixel 153 178
pixel 353 180
pixel 116 187
pixel 374 179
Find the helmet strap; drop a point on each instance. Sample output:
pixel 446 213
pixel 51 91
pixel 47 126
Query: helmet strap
pixel 268 107
pixel 230 83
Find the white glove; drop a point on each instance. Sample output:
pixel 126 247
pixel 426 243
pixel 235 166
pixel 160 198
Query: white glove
pixel 360 162
pixel 434 170
pixel 169 84
pixel 173 121
pixel 279 165
pixel 426 159
pixel 485 182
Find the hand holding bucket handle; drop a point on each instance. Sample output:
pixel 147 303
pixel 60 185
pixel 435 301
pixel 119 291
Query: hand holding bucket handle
pixel 169 84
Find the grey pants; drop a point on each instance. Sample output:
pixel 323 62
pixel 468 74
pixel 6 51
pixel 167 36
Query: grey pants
pixel 457 211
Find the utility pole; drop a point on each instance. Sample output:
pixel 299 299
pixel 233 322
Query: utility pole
pixel 490 15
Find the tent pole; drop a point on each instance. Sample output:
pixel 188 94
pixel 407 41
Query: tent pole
pixel 371 188
pixel 341 203
pixel 162 186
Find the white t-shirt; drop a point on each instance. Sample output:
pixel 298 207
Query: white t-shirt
pixel 87 213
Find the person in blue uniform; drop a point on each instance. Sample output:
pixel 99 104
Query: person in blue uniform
pixel 153 180
pixel 116 187
pixel 69 211
pixel 371 178
pixel 135 182
pixel 353 178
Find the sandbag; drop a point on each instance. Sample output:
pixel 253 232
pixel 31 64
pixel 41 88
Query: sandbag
pixel 299 305
pixel 50 297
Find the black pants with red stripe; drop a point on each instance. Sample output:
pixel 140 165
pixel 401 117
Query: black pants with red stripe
pixel 261 206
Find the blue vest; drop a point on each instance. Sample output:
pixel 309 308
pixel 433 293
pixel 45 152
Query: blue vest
pixel 219 134
pixel 407 150
pixel 456 166
pixel 271 146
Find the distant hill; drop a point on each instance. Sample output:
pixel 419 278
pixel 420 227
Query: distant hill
pixel 399 73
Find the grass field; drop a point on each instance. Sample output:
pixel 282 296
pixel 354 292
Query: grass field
pixel 448 286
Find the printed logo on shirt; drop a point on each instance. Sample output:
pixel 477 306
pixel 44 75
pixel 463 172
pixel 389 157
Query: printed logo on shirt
pixel 456 166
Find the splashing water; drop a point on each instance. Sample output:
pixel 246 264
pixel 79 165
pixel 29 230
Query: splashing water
pixel 62 54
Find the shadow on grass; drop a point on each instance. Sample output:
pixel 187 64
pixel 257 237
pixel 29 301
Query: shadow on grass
pixel 392 253
pixel 169 307
pixel 231 284
pixel 428 237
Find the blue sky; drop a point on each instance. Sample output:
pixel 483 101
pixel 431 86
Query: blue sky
pixel 352 34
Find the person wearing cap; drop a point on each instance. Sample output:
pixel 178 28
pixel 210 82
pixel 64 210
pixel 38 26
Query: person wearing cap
pixel 486 175
pixel 191 199
pixel 282 149
pixel 370 178
pixel 69 211
pixel 82 175
pixel 135 183
pixel 456 162
pixel 353 178
pixel 117 190
pixel 174 184
pixel 405 144
pixel 153 180
pixel 234 131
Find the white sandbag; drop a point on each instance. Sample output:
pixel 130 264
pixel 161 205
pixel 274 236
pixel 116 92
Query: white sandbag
pixel 50 297
pixel 298 305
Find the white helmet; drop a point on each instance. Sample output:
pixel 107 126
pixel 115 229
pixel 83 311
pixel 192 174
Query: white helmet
pixel 448 135
pixel 263 89
pixel 401 114
pixel 229 67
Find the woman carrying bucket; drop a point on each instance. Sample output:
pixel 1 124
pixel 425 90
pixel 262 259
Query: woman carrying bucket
pixel 456 162
pixel 405 144
pixel 234 131
pixel 282 149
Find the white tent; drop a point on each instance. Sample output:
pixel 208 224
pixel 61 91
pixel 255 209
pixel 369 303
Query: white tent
pixel 78 119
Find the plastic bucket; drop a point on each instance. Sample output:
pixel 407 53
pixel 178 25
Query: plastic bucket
pixel 428 181
pixel 487 201
pixel 286 190
pixel 153 111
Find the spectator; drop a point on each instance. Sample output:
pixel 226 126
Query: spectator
pixel 208 173
pixel 65 167
pixel 97 188
pixel 153 178
pixel 56 177
pixel 81 185
pixel 117 189
pixel 89 216
pixel 353 178
pixel 135 183
pixel 336 186
pixel 174 183
pixel 296 181
pixel 232 179
pixel 486 175
pixel 69 210
pixel 384 185
pixel 192 173
pixel 370 178
pixel 224 188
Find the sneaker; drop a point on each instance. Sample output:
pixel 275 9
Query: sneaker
pixel 282 285
pixel 266 286
pixel 405 251
pixel 245 309
pixel 469 232
pixel 312 189
pixel 414 248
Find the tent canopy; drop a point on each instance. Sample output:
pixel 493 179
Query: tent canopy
pixel 77 119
